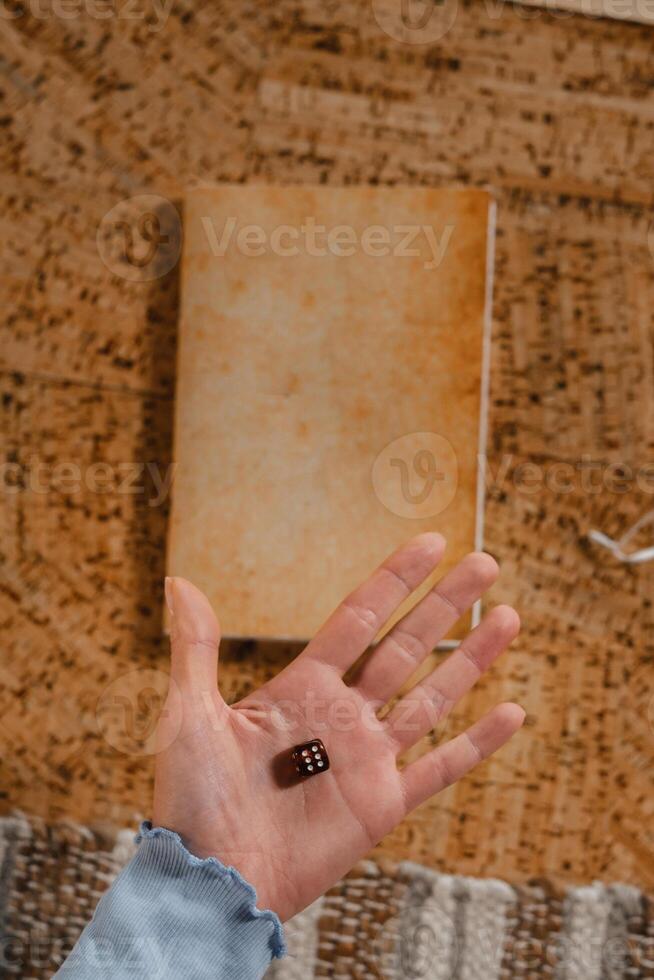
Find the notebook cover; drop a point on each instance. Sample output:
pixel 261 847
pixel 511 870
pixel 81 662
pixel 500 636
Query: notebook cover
pixel 332 370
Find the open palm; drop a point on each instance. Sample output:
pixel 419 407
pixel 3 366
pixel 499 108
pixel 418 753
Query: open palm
pixel 223 779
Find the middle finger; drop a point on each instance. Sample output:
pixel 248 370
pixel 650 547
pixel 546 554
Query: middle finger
pixel 410 641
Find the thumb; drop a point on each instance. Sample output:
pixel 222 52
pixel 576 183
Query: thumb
pixel 194 638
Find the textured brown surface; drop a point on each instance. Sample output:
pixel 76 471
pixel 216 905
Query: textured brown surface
pixel 557 114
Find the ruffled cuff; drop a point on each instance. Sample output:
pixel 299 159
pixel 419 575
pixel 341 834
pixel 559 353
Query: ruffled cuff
pixel 170 914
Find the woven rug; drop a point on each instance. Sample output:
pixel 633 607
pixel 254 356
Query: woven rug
pixel 396 921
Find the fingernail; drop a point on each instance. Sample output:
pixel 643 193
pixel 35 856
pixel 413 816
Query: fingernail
pixel 168 589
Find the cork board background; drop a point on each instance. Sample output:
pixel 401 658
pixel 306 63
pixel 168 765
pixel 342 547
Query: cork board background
pixel 559 116
pixel 328 396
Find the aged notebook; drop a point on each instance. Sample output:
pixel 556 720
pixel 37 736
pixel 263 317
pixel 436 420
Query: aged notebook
pixel 331 391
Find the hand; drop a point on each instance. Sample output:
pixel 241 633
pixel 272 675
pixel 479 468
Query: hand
pixel 218 780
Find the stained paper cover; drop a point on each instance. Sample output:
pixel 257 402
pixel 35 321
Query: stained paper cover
pixel 330 397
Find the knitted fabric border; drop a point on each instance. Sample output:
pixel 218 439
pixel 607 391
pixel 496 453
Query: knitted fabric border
pixel 384 920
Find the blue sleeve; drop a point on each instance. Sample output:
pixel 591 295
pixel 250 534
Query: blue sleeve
pixel 169 914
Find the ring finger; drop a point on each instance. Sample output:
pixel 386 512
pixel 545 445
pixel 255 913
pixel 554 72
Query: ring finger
pixel 419 711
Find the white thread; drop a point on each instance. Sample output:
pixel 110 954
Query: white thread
pixel 617 547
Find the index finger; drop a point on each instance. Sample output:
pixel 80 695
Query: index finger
pixel 353 626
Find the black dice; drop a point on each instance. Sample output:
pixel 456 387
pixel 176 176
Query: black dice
pixel 310 758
